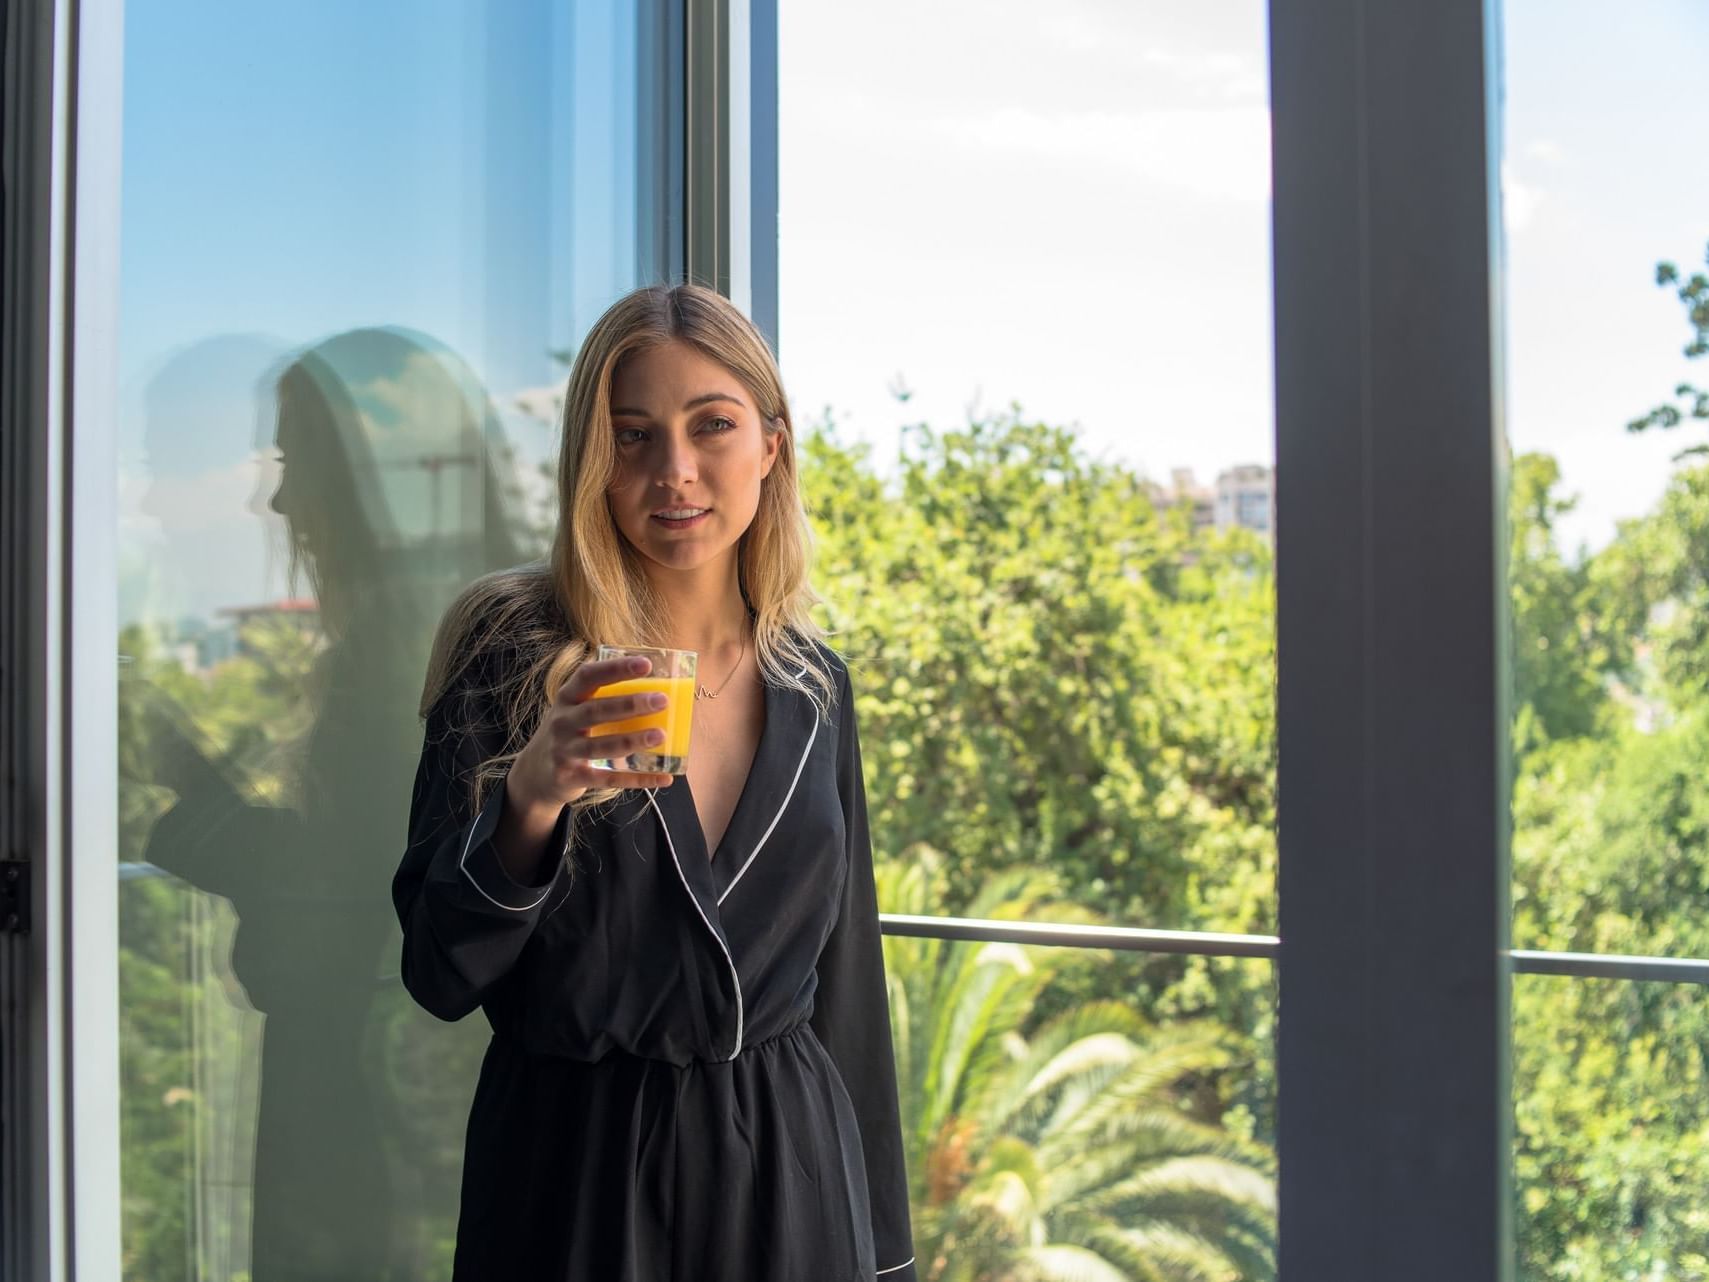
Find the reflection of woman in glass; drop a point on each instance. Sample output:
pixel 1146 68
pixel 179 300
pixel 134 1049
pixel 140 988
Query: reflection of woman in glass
pixel 390 499
pixel 690 1075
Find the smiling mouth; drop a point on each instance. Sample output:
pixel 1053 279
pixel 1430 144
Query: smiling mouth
pixel 680 518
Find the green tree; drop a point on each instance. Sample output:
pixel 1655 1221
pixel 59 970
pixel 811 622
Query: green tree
pixel 1052 672
pixel 1693 293
pixel 185 1029
pixel 1561 651
pixel 1611 855
pixel 1070 1147
pixel 1655 584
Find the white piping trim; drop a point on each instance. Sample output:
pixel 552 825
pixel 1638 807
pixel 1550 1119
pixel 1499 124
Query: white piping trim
pixel 463 867
pixel 799 766
pixel 716 937
pixel 894 1267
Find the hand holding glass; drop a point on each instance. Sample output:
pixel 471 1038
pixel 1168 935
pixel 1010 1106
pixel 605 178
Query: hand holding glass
pixel 671 675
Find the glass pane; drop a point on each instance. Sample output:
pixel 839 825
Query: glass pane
pixel 1611 1129
pixel 358 241
pixel 1066 1119
pixel 1609 563
pixel 1025 293
pixel 1609 504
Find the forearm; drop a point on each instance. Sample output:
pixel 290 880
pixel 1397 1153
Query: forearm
pixel 524 840
pixel 465 917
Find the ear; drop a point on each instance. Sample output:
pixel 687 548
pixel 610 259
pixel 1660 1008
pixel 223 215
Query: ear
pixel 773 443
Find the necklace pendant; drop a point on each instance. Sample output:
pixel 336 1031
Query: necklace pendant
pixel 703 693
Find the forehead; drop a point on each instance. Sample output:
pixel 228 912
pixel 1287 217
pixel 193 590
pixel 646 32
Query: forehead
pixel 664 378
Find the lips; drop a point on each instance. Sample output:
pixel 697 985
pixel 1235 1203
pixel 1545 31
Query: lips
pixel 680 518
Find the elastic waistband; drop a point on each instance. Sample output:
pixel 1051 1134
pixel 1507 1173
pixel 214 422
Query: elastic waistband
pixel 510 1044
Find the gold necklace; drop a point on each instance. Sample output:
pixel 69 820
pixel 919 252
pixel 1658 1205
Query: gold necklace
pixel 702 692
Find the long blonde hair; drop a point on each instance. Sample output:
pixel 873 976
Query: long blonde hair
pixel 550 617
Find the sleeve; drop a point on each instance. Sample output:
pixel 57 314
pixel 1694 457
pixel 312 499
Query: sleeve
pixel 851 1017
pixel 465 921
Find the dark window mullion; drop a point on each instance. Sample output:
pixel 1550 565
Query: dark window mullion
pixel 1392 1068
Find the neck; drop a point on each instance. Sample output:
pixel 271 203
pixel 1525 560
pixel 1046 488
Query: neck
pixel 703 607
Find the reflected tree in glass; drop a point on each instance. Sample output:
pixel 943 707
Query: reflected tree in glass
pixel 392 494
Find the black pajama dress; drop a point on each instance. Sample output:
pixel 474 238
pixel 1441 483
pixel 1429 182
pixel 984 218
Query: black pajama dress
pixel 690 1077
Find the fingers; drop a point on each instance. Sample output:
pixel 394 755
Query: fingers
pixel 614 709
pixel 574 759
pixel 610 747
pixel 576 713
pixel 601 672
pixel 587 777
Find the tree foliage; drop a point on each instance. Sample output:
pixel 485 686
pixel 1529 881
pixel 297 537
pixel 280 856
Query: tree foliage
pixel 1051 1149
pixel 1691 402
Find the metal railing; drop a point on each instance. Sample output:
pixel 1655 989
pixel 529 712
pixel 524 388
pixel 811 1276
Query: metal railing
pixel 1124 938
pixel 1673 970
pixel 1205 943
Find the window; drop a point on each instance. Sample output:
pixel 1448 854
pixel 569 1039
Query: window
pixel 1023 301
pixel 470 140
pixel 1607 572
pixel 357 244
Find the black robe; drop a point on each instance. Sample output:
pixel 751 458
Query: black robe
pixel 690 1077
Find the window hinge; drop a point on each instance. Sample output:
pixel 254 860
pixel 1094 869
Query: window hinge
pixel 15 897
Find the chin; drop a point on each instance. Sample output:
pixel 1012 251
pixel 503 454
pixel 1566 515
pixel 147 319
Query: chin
pixel 681 556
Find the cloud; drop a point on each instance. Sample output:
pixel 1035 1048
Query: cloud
pixel 214 499
pixel 1224 72
pixel 1519 200
pixel 424 407
pixel 1221 153
pixel 539 402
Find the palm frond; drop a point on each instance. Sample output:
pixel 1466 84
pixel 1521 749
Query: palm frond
pixel 1064 1263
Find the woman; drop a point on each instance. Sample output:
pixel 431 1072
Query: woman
pixel 690 1076
pixel 366 420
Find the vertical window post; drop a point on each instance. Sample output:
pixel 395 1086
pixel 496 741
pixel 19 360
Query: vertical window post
pixel 58 680
pixel 731 164
pixel 707 168
pixel 1392 1064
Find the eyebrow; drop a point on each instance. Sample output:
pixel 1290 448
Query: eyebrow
pixel 705 399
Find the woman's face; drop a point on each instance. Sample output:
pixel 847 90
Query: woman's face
pixel 284 500
pixel 691 452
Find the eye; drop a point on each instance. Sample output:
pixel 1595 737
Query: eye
pixel 629 435
pixel 712 425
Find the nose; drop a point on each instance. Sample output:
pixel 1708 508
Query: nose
pixel 673 464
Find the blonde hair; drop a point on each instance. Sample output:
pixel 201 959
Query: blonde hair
pixel 552 616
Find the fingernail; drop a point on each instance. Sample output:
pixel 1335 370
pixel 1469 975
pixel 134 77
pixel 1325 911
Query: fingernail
pixel 639 665
pixel 655 736
pixel 657 701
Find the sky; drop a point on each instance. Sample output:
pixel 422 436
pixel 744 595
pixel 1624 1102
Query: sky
pixel 290 173
pixel 982 203
pixel 1072 211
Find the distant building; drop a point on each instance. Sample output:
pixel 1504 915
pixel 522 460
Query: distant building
pixel 302 612
pixel 1243 497
pixel 1246 499
pixel 1185 491
pixel 198 644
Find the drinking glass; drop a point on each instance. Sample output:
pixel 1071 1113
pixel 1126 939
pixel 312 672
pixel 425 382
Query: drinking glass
pixel 672 675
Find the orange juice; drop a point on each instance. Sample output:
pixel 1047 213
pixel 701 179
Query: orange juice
pixel 674 718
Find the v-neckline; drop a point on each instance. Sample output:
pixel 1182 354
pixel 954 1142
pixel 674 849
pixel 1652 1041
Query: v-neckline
pixel 716 856
pixel 789 730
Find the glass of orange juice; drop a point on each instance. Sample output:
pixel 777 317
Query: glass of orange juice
pixel 672 675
